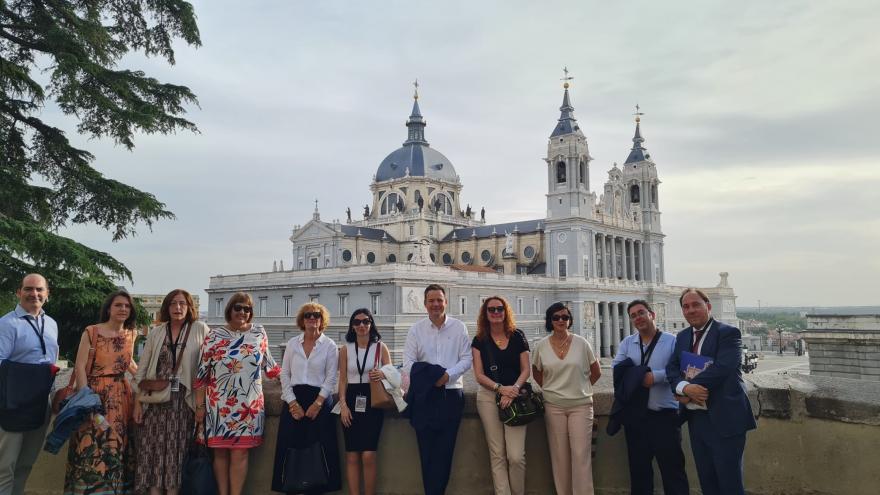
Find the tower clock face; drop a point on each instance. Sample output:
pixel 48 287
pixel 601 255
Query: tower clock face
pixel 561 237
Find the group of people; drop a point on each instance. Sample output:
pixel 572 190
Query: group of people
pixel 192 380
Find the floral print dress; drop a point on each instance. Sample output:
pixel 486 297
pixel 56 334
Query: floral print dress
pixel 230 370
pixel 98 458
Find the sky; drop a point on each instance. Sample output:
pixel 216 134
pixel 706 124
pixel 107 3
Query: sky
pixel 759 116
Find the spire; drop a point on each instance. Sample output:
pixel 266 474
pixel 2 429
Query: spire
pixel 415 123
pixel 316 215
pixel 638 153
pixel 567 123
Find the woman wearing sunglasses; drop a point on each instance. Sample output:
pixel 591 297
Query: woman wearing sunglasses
pixel 308 380
pixel 360 360
pixel 566 368
pixel 501 367
pixel 230 384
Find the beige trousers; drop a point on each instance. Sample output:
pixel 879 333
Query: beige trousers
pixel 569 434
pixel 18 453
pixel 507 447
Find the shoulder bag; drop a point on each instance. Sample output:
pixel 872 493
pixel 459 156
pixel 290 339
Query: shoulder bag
pixel 63 394
pixel 305 469
pixel 155 391
pixel 379 397
pixel 525 408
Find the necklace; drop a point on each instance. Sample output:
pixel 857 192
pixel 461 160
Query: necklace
pixel 561 348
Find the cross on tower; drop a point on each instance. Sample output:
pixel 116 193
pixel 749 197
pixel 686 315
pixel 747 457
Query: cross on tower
pixel 566 77
pixel 638 113
pixel 416 92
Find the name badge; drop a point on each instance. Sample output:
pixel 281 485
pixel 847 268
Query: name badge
pixel 175 383
pixel 360 403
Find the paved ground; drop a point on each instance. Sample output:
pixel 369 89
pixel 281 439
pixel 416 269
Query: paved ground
pixel 786 363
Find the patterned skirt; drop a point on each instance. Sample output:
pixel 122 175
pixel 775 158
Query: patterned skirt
pixel 162 441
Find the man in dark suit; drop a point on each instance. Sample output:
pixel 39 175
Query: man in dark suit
pixel 715 402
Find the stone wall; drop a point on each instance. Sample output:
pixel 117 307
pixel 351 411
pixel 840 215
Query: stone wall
pixel 815 436
pixel 846 346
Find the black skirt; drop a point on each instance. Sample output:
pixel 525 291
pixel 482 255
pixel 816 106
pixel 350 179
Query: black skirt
pixel 294 434
pixel 366 427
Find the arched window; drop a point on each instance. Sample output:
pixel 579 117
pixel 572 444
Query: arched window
pixel 442 204
pixel 654 194
pixel 634 195
pixel 582 175
pixel 391 258
pixel 392 201
pixel 560 172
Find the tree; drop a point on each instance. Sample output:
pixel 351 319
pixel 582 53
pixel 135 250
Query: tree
pixel 46 182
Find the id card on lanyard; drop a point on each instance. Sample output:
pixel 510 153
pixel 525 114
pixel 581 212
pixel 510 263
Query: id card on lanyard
pixel 360 401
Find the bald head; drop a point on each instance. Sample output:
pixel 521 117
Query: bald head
pixel 33 293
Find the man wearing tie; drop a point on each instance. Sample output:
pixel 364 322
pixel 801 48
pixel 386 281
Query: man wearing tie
pixel 716 405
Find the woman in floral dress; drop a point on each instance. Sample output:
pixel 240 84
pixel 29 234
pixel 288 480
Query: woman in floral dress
pixel 229 382
pixel 98 460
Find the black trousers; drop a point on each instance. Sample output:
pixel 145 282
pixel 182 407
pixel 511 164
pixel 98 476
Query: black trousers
pixel 437 444
pixel 657 435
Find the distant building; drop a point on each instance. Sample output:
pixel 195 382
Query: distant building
pixel 594 252
pixel 846 346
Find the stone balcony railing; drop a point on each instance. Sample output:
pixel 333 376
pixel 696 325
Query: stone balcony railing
pixel 816 436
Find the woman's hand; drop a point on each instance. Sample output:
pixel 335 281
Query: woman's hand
pixel 376 375
pixel 313 410
pixel 510 392
pixel 345 415
pixel 505 401
pixel 296 410
pixel 138 413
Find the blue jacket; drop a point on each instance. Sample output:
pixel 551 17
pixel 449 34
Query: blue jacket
pixel 729 408
pixel 427 404
pixel 77 409
pixel 630 397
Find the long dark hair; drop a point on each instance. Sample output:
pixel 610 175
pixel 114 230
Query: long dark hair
pixel 351 336
pixel 105 309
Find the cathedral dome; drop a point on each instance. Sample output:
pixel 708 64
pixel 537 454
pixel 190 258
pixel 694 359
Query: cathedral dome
pixel 416 158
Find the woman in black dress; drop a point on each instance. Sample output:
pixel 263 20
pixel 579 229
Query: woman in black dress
pixel 360 360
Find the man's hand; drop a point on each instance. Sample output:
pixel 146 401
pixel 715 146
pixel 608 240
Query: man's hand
pixel 648 381
pixel 697 393
pixel 682 399
pixel 442 381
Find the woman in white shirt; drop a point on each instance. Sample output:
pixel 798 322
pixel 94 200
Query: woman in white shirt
pixel 360 360
pixel 566 368
pixel 308 380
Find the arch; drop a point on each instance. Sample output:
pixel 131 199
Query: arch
pixel 634 193
pixel 560 172
pixel 442 203
pixel 654 194
pixel 582 172
pixel 391 258
pixel 390 202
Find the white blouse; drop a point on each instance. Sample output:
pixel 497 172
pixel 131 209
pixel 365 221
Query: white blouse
pixel 356 358
pixel 319 369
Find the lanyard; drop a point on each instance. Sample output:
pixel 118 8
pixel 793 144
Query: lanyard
pixel 173 346
pixel 357 360
pixel 646 354
pixel 39 332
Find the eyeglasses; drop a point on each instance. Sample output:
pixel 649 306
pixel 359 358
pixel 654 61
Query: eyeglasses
pixel 312 315
pixel 495 309
pixel 560 317
pixel 178 303
pixel 359 322
pixel 635 315
pixel 242 308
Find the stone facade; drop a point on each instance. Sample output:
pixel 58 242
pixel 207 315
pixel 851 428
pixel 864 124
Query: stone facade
pixel 845 346
pixel 594 253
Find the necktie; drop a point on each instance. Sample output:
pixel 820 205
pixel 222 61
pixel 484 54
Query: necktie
pixel 698 336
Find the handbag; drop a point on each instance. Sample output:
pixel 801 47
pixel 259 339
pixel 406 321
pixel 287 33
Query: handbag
pixel 154 391
pixel 64 393
pixel 198 470
pixel 379 397
pixel 525 408
pixel 305 469
pixel 24 390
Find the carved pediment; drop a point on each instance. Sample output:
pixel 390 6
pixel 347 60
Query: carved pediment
pixel 312 230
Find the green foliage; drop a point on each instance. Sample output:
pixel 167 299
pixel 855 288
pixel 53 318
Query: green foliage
pixel 48 183
pixel 788 322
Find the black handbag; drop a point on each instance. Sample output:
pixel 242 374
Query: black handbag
pixel 24 395
pixel 305 469
pixel 198 469
pixel 527 407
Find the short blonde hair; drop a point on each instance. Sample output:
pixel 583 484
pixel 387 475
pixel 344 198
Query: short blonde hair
pixel 312 307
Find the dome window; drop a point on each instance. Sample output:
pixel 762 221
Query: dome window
pixel 529 252
pixel 447 259
pixel 346 256
pixel 486 255
pixel 371 257
pixel 391 258
pixel 466 257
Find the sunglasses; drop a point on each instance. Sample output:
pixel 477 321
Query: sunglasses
pixel 560 317
pixel 242 308
pixel 312 315
pixel 495 309
pixel 359 322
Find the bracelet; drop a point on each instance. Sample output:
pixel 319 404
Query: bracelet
pixel 497 386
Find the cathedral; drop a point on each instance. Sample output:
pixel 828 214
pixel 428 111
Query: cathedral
pixel 594 252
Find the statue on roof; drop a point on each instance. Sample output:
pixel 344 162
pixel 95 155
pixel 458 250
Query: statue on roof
pixel 508 244
pixel 468 212
pixel 421 203
pixel 483 213
pixel 366 211
pixel 400 204
pixel 348 213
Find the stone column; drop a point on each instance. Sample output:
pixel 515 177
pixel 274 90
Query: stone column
pixel 593 256
pixel 613 258
pixel 627 327
pixel 606 330
pixel 642 261
pixel 597 331
pixel 627 259
pixel 615 326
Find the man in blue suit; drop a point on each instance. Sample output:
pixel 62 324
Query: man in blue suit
pixel 715 402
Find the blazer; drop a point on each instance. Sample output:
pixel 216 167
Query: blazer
pixel 630 397
pixel 188 366
pixel 729 408
pixel 427 403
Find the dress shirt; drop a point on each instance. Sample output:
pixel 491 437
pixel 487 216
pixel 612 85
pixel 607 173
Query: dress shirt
pixel 319 369
pixel 18 341
pixel 660 394
pixel 679 389
pixel 448 346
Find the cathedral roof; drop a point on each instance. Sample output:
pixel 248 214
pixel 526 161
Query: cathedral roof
pixel 499 229
pixel 567 123
pixel 638 153
pixel 416 158
pixel 366 233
